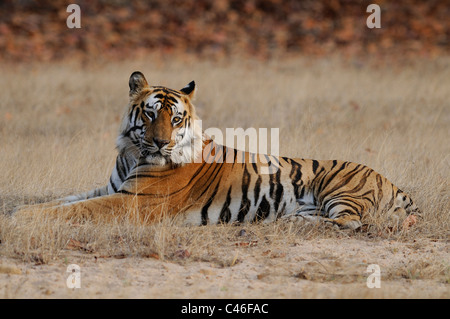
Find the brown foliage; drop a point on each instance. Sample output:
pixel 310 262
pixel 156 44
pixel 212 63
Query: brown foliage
pixel 37 30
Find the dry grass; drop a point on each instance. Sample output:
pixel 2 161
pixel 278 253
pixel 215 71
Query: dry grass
pixel 58 124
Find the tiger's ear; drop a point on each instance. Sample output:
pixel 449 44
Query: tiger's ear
pixel 189 90
pixel 137 82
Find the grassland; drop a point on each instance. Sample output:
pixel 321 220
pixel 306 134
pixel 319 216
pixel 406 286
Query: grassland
pixel 58 124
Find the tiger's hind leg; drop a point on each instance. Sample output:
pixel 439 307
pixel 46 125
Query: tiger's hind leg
pixel 335 212
pixel 310 213
pixel 343 214
pixel 352 222
pixel 349 221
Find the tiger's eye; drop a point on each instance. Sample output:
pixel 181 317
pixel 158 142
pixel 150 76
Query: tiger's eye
pixel 176 119
pixel 150 115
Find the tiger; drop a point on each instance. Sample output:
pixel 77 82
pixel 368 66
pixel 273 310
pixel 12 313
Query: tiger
pixel 167 166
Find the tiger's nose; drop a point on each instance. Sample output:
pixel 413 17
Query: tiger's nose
pixel 160 143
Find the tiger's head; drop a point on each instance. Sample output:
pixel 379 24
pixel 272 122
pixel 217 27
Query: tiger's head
pixel 159 124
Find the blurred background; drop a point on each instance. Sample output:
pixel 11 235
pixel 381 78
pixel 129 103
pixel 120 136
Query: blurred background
pixel 36 30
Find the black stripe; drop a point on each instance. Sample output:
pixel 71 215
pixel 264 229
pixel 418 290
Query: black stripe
pixel 257 188
pixel 345 180
pixel 172 99
pixel 277 161
pixel 124 162
pixel 133 129
pixel 347 203
pixel 315 165
pixel 245 203
pixel 122 191
pixel 119 170
pixel 269 162
pixel 208 203
pixel 254 164
pixel 211 179
pixel 315 180
pixel 263 210
pixel 195 174
pixel 281 211
pixel 302 193
pixel 141 175
pixel 324 184
pixel 112 184
pixel 357 188
pixel 208 167
pixel 295 175
pixel 255 167
pixel 320 187
pixel 225 213
pixel 278 190
pixel 166 90
pixel 272 179
pixel 380 190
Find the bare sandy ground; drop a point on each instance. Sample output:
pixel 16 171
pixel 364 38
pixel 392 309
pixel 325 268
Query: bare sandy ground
pixel 308 269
